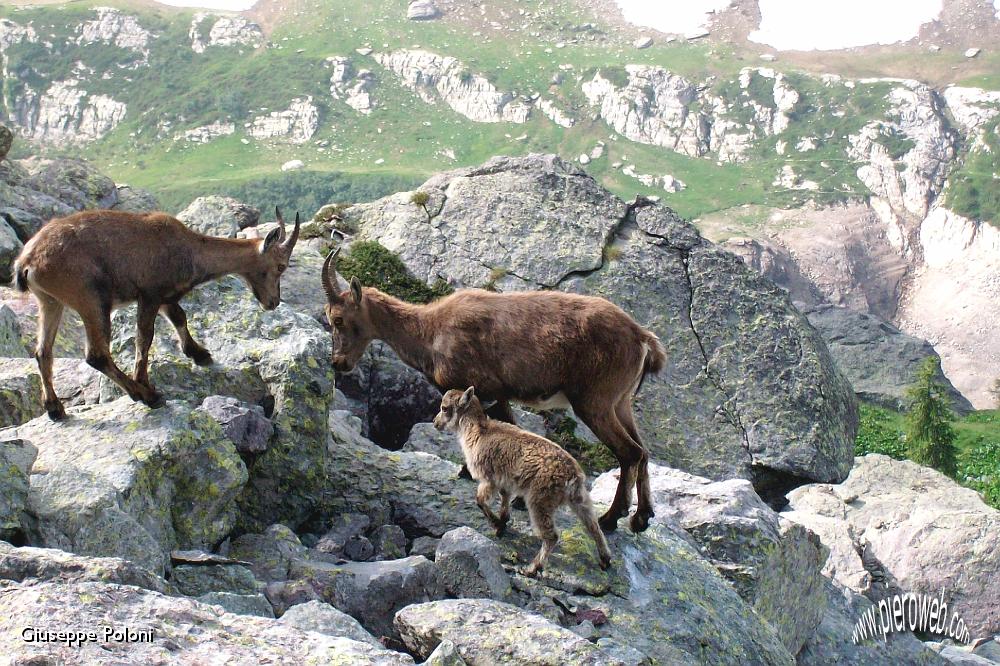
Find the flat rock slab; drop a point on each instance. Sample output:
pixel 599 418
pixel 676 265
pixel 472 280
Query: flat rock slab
pixel 120 479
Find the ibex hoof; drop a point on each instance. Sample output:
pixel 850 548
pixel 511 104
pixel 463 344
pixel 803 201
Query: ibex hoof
pixel 155 400
pixel 55 411
pixel 604 562
pixel 638 522
pixel 500 529
pixel 531 571
pixel 202 358
pixel 608 522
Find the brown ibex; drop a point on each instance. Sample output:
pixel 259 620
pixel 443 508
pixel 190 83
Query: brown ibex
pixel 543 349
pixel 517 463
pixel 96 261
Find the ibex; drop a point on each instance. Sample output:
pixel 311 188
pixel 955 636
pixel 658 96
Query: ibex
pixel 516 463
pixel 96 261
pixel 543 349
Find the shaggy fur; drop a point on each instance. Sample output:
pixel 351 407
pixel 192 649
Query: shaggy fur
pixel 544 349
pixel 517 463
pixel 99 260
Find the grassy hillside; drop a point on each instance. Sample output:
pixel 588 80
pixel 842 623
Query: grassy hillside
pixel 405 139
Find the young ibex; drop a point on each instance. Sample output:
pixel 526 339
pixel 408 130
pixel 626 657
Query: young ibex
pixel 516 463
pixel 544 349
pixel 99 260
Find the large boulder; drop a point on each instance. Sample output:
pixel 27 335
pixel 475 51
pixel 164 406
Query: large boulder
pixel 492 632
pixel 16 459
pixel 184 631
pixel 931 534
pixel 10 247
pixel 122 480
pixel 219 216
pixel 325 619
pixel 470 565
pixel 274 358
pixel 136 200
pixel 749 389
pixel 774 564
pixel 20 391
pixel 879 360
pixel 74 183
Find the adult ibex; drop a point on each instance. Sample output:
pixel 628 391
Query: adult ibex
pixel 543 349
pixel 99 260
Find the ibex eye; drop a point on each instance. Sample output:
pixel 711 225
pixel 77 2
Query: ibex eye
pixel 338 321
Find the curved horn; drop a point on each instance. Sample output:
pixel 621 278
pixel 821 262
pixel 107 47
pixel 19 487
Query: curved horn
pixel 290 243
pixel 330 285
pixel 281 222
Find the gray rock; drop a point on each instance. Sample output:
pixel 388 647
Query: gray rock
pixel 343 529
pixel 16 459
pixel 956 655
pixel 389 542
pixel 123 480
pixel 372 592
pixel 470 566
pixel 930 533
pixel 422 10
pixel 45 564
pixel 244 424
pixel 832 643
pixel 492 632
pixel 445 654
pixel 879 360
pixel 24 223
pixel 20 388
pixel 219 637
pixel 11 341
pixel 258 355
pixel 359 549
pixel 774 564
pixel 73 183
pixel 426 546
pixel 395 396
pixel 284 595
pixel 325 619
pixel 10 247
pixel 269 554
pixel 239 604
pixel 136 200
pixel 6 139
pixel 988 650
pixel 623 653
pixel 426 438
pixel 219 216
pixel 749 389
pixel 197 580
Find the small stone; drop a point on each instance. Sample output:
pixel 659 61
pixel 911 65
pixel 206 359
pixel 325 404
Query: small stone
pixel 584 158
pixel 244 424
pixel 292 165
pixel 470 565
pixel 643 42
pixel 972 53
pixel 422 10
pixel 359 549
pixel 346 527
pixel 389 542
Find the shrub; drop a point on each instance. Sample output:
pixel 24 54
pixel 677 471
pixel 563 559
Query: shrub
pixel 980 470
pixel 929 433
pixel 376 266
pixel 878 433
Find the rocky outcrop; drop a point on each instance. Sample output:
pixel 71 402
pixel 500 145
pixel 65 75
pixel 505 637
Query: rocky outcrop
pixel 31 564
pixel 221 636
pixel 325 619
pixel 486 227
pixel 772 563
pixel 435 77
pixel 219 216
pixel 12 33
pixel 972 108
pixel 951 300
pixel 296 124
pixel 422 10
pixel 879 360
pixel 916 137
pixel 131 488
pixel 931 534
pixel 66 112
pixel 206 133
pixel 224 31
pixel 352 86
pixel 554 113
pixel 116 28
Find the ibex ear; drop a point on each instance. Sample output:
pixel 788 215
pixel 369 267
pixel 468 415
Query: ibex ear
pixel 463 402
pixel 356 290
pixel 272 238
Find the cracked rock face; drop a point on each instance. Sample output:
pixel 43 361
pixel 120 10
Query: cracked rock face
pixel 225 31
pixel 114 27
pixel 350 85
pixel 296 124
pixel 749 389
pixel 435 77
pixel 66 112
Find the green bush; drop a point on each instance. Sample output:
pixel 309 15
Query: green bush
pixel 929 433
pixel 375 266
pixel 980 470
pixel 878 432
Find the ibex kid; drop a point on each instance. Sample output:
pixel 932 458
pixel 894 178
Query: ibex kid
pixel 98 260
pixel 504 458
